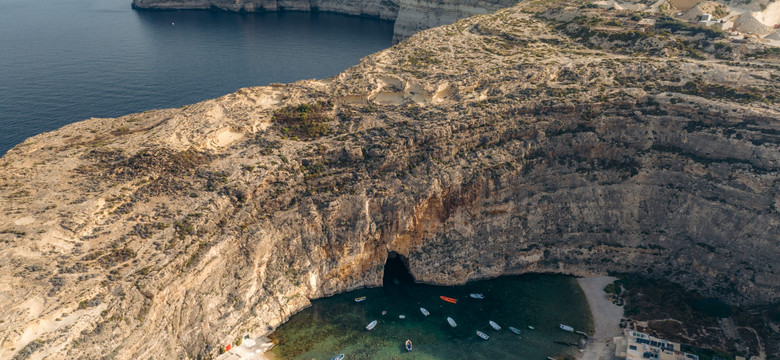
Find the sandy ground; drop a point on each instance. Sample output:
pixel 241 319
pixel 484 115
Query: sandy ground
pixel 606 318
pixel 245 352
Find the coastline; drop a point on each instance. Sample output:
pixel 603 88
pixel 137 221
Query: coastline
pixel 606 318
pixel 250 350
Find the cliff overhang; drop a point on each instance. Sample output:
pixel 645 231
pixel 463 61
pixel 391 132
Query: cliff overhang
pixel 534 139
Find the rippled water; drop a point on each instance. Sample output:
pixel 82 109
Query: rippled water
pixel 336 325
pixel 63 61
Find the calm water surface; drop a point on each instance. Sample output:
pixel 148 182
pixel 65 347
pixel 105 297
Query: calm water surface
pixel 63 61
pixel 336 325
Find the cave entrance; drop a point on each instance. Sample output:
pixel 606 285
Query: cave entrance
pixel 397 274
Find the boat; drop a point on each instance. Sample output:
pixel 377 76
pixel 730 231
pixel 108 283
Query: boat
pixel 567 328
pixel 371 325
pixel 477 296
pixel 494 325
pixel 515 330
pixel 337 357
pixel 408 345
pixel 531 327
pixel 384 312
pixel 449 299
pixel 402 316
pixel 359 299
pixel 424 311
pixel 482 335
pixel 451 321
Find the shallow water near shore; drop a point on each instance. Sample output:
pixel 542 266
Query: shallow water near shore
pixel 336 325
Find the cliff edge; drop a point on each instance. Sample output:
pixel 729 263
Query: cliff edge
pixel 410 16
pixel 546 137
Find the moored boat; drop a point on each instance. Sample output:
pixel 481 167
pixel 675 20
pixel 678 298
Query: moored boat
pixel 424 311
pixel 449 299
pixel 482 335
pixel 451 321
pixel 515 330
pixel 477 296
pixel 567 328
pixel 371 325
pixel 402 316
pixel 359 299
pixel 337 357
pixel 408 345
pixel 494 325
pixel 531 327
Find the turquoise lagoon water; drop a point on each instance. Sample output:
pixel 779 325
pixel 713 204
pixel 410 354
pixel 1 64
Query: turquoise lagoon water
pixel 336 325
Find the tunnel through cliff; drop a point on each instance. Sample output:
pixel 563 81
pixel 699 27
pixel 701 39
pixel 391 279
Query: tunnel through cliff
pixel 396 276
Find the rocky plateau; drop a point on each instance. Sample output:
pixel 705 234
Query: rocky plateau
pixel 545 137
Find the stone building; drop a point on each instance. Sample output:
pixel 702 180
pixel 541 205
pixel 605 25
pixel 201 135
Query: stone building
pixel 634 345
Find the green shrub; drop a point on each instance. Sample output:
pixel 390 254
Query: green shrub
pixel 304 121
pixel 612 289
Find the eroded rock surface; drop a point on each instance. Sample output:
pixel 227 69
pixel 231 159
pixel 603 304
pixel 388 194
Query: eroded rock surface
pixel 538 138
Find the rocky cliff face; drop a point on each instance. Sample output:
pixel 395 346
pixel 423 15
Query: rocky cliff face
pixel 416 15
pixel 410 16
pixel 387 10
pixel 544 137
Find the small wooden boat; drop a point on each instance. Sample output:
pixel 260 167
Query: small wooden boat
pixel 482 335
pixel 408 345
pixel 371 325
pixel 515 330
pixel 449 299
pixel 424 311
pixel 337 357
pixel 451 321
pixel 477 296
pixel 567 328
pixel 494 325
pixel 359 299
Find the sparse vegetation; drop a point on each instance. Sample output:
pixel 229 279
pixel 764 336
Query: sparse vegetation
pixel 305 121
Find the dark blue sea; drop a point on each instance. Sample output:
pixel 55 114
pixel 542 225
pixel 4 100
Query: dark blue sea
pixel 63 61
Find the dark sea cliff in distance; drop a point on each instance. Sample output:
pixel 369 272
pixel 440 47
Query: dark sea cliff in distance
pixel 69 60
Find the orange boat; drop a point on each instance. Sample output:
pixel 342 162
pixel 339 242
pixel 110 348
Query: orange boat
pixel 449 299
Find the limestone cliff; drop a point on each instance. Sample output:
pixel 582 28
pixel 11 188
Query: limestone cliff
pixel 545 137
pixel 410 16
pixel 383 9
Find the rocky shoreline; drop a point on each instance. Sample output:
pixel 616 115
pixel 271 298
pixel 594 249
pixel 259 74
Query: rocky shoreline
pixel 409 17
pixel 540 138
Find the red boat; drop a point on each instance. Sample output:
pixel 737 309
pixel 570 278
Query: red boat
pixel 449 299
